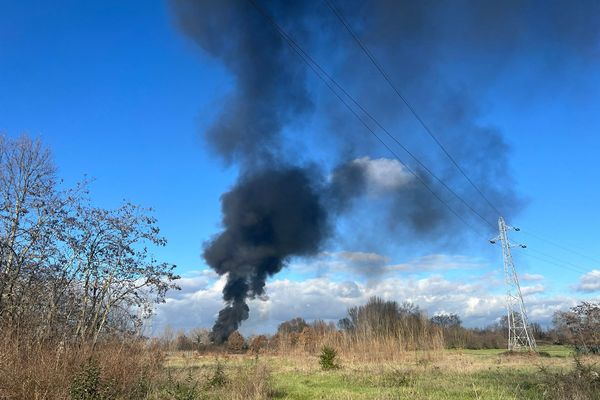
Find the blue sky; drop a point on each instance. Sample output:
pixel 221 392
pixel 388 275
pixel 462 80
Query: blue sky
pixel 120 94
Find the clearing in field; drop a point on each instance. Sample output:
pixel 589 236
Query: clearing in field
pixel 449 374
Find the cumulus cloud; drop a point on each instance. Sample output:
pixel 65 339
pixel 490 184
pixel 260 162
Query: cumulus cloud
pixel 590 282
pixel 383 174
pixel 533 289
pixel 477 303
pixel 193 283
pixel 532 277
pixel 188 308
pixel 541 309
pixel 359 257
pixel 437 262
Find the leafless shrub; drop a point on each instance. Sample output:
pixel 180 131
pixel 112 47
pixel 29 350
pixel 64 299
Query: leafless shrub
pixel 308 340
pixel 580 327
pixel 32 370
pixel 258 344
pixel 582 382
pixel 183 342
pixel 236 343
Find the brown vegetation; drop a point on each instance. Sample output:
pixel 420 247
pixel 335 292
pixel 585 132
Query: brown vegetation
pixel 71 272
pixel 34 370
pixel 236 343
pixel 76 283
pixel 258 344
pixel 580 326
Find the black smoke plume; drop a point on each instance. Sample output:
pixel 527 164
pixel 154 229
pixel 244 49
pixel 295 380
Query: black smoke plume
pixel 279 207
pixel 270 92
pixel 267 217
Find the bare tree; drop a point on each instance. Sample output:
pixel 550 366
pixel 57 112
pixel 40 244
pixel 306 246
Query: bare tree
pixel 385 319
pixel 446 320
pixel 580 326
pixel 68 269
pixel 294 325
pixel 27 187
pixel 111 266
pixel 200 337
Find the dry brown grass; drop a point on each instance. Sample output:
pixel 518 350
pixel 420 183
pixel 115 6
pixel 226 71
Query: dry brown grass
pixel 359 349
pixel 248 383
pixel 375 370
pixel 413 374
pixel 36 371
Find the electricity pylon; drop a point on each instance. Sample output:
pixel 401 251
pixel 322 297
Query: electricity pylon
pixel 519 333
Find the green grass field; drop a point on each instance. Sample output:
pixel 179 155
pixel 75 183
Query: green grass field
pixel 450 374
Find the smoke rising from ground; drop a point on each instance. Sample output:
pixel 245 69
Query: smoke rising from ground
pixel 280 207
pixel 267 217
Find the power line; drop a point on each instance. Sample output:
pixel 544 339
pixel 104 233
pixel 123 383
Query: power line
pixel 320 72
pixel 547 258
pixel 551 262
pixel 328 79
pixel 562 262
pixel 560 246
pixel 388 79
pixel 406 102
pixel 332 84
pixel 382 71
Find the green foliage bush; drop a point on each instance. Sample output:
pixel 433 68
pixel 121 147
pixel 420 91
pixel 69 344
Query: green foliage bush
pixel 87 384
pixel 183 390
pixel 582 382
pixel 218 378
pixel 327 358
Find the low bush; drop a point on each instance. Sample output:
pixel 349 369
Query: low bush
pixel 236 343
pixel 328 358
pixel 88 384
pixel 581 382
pixel 183 390
pixel 218 378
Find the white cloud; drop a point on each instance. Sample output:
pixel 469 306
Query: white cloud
pixel 384 174
pixel 362 258
pixel 533 289
pixel 532 277
pixel 328 299
pixel 590 282
pixel 437 262
pixel 190 284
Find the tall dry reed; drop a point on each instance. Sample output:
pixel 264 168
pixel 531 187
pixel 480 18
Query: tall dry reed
pixel 31 370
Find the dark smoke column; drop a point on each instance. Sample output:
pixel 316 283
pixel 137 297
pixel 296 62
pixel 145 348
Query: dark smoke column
pixel 268 216
pixel 274 211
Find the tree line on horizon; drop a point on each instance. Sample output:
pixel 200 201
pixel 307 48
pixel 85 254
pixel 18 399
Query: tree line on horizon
pixel 380 319
pixel 73 272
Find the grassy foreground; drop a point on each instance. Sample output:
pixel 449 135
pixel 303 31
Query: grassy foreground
pixel 451 374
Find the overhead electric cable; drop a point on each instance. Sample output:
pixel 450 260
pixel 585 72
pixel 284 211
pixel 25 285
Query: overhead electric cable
pixel 316 68
pixel 529 255
pixel 379 67
pixel 328 80
pixel 560 246
pixel 332 84
pixel 429 131
pixel 562 262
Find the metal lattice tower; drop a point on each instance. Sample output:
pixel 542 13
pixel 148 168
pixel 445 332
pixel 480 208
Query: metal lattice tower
pixel 520 336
